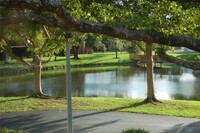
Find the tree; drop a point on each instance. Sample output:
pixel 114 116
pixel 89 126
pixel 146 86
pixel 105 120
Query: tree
pixel 40 41
pixel 153 22
pixel 76 41
pixel 68 22
pixel 132 47
pixel 150 83
pixel 115 43
pixel 99 44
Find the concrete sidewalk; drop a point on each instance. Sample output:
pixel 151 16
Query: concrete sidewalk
pixel 97 122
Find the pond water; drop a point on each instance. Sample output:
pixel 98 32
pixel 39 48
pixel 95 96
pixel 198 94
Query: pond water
pixel 129 82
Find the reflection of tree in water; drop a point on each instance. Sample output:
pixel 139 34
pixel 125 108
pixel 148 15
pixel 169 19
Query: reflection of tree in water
pixel 55 82
pixel 172 73
pixel 78 80
pixel 195 94
pixel 179 96
pixel 19 85
pixel 169 71
pixel 196 73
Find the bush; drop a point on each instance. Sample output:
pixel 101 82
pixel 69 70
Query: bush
pixel 135 131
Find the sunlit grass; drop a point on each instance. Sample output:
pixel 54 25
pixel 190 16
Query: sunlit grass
pixel 180 108
pixel 5 130
pixel 95 59
pixel 190 56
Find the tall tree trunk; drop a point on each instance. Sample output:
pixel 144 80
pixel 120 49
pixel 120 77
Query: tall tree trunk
pixel 75 52
pixel 37 68
pixel 116 51
pixel 6 60
pixel 150 82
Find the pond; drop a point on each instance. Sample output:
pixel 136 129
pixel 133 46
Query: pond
pixel 129 82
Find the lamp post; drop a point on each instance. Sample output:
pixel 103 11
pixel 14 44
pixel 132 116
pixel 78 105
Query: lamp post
pixel 68 83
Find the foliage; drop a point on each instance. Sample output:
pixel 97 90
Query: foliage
pixel 100 45
pixel 132 47
pixel 135 131
pixel 197 58
pixel 90 40
pixel 160 50
pixel 168 17
pixel 35 38
pixel 77 39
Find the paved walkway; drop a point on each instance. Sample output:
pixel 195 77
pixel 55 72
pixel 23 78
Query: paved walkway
pixel 97 122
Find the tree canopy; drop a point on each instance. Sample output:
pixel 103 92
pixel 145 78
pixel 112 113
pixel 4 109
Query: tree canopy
pixel 164 22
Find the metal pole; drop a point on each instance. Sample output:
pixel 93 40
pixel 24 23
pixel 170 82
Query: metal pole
pixel 68 87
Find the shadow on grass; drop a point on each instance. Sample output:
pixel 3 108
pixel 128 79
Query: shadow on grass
pixel 15 99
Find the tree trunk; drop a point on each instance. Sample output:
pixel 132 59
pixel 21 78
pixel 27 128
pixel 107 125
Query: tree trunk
pixel 75 52
pixel 6 60
pixel 149 70
pixel 116 52
pixel 37 68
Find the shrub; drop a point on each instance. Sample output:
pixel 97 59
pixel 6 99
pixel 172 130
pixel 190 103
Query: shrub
pixel 135 131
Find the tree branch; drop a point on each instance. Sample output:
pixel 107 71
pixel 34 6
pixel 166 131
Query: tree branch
pixel 9 52
pixel 13 20
pixel 181 62
pixel 196 1
pixel 86 26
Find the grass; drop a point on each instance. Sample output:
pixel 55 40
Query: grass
pixel 5 130
pixel 190 56
pixel 179 108
pixel 95 59
pixel 107 58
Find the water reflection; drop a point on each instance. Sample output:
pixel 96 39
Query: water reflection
pixel 172 83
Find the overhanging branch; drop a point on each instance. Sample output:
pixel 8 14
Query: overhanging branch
pixel 48 20
pixel 196 1
pixel 86 26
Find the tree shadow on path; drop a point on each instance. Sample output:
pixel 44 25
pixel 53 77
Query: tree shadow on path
pixel 181 128
pixel 36 122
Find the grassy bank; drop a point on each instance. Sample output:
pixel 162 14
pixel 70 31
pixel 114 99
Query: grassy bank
pixel 190 56
pixel 95 59
pixel 85 60
pixel 12 131
pixel 180 108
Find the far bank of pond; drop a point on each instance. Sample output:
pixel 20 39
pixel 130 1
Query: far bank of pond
pixel 128 82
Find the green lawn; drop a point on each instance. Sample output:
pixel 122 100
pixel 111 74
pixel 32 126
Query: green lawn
pixel 11 131
pixel 97 59
pixel 106 58
pixel 190 56
pixel 180 108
